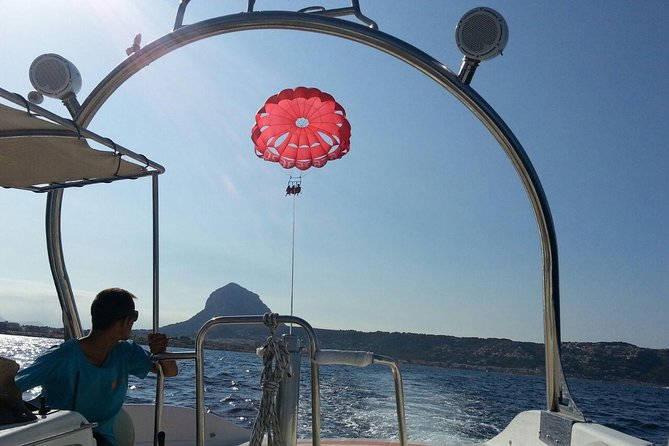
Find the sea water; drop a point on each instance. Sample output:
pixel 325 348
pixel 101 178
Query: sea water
pixel 441 405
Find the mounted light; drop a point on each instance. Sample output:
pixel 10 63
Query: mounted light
pixel 481 34
pixel 54 76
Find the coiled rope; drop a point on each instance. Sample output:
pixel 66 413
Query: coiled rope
pixel 275 361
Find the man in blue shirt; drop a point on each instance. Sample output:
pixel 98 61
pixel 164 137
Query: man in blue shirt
pixel 90 374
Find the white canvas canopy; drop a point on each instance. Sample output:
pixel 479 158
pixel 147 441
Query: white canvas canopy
pixel 39 155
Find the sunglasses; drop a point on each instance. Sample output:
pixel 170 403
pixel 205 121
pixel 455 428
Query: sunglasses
pixel 133 315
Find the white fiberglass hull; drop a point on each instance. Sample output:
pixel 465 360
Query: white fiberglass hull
pixel 135 427
pixel 524 430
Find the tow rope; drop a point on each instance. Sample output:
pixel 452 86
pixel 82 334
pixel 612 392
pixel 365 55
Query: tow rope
pixel 275 361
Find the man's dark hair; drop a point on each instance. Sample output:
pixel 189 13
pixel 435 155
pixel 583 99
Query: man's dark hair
pixel 111 305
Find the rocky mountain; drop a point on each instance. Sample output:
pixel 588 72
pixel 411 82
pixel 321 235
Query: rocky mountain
pixel 230 300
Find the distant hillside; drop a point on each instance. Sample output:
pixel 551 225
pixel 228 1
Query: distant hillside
pixel 616 360
pixel 596 360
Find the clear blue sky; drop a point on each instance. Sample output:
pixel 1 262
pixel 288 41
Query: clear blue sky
pixel 422 227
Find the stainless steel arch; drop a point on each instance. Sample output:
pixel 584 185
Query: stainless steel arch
pixel 555 384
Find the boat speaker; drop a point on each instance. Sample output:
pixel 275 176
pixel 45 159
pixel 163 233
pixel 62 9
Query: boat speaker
pixel 481 33
pixel 35 97
pixel 54 76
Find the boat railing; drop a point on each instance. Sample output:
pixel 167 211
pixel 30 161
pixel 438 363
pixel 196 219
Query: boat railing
pixel 317 357
pixel 198 355
pixel 364 359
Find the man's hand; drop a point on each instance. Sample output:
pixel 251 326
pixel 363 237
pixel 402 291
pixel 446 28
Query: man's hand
pixel 157 342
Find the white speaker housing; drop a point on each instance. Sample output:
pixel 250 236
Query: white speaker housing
pixel 482 33
pixel 54 76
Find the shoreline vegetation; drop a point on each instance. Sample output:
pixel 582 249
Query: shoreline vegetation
pixel 608 361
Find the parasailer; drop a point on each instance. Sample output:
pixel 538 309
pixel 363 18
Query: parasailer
pixel 294 186
pixel 302 128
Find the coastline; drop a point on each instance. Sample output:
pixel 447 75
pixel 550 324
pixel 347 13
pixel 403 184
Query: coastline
pixel 249 346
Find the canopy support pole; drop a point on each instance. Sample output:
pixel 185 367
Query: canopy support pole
pixel 160 381
pixel 54 246
pixel 156 257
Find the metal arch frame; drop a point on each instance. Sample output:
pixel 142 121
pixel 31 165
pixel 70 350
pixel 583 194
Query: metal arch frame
pixel 556 386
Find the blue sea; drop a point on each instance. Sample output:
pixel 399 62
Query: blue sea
pixel 441 405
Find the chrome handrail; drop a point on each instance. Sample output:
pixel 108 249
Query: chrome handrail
pixel 160 387
pixel 160 402
pixel 199 369
pixel 399 395
pixel 316 359
pixel 341 357
pixel 363 359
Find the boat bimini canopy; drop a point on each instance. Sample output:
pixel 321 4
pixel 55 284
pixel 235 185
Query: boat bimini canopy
pixel 40 155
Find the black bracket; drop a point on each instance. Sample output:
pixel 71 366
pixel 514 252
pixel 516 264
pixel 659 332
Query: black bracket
pixel 354 9
pixel 555 429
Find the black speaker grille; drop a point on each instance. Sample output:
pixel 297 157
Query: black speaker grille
pixel 51 75
pixel 480 33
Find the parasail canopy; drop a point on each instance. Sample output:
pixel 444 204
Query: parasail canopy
pixel 301 127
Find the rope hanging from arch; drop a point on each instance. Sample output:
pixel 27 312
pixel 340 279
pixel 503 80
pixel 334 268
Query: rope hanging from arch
pixel 275 363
